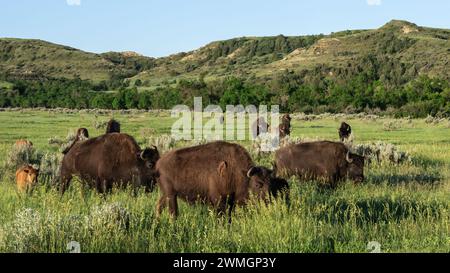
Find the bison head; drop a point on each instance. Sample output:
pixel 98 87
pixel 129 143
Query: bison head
pixel 259 181
pixel 31 174
pixel 149 157
pixel 279 186
pixel 355 169
pixel 265 185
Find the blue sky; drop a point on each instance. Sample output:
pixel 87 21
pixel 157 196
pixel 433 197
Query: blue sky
pixel 162 27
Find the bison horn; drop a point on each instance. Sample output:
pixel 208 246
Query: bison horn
pixel 252 171
pixel 142 155
pixel 347 157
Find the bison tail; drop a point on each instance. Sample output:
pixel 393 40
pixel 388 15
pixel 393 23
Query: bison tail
pixel 67 150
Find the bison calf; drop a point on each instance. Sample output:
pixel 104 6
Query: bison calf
pixel 26 178
pixel 219 173
pixel 331 161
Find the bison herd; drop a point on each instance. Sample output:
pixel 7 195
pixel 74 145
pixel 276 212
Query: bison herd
pixel 219 173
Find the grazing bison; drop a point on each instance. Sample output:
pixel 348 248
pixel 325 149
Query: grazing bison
pixel 285 126
pixel 23 142
pixel 259 127
pixel 331 161
pixel 113 127
pixel 26 178
pixel 108 160
pixel 219 173
pixel 82 134
pixel 345 131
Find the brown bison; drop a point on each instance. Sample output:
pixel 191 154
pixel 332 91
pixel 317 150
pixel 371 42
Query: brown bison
pixel 344 131
pixel 26 178
pixel 23 142
pixel 82 134
pixel 113 127
pixel 108 160
pixel 330 161
pixel 285 126
pixel 219 173
pixel 259 127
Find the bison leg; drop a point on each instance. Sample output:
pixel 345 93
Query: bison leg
pixel 221 207
pixel 222 204
pixel 99 186
pixel 162 203
pixel 231 203
pixel 173 206
pixel 136 183
pixel 29 190
pixel 65 182
pixel 104 186
pixel 334 179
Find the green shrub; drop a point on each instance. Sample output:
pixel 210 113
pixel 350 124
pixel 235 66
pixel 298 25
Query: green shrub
pixel 20 155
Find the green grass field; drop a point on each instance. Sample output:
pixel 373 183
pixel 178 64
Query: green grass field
pixel 406 207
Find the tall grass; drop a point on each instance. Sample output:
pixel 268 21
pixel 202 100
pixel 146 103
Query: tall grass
pixel 405 207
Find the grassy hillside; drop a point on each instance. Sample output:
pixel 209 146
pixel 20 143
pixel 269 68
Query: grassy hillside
pixel 418 49
pixel 40 59
pixel 408 49
pixel 36 59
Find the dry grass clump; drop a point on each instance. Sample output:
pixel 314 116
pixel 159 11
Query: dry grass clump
pixel 382 152
pixel 435 120
pixel 164 143
pixel 21 234
pixel 108 216
pixel 20 155
pixel 392 125
pixel 62 144
pixel 50 166
pixel 100 124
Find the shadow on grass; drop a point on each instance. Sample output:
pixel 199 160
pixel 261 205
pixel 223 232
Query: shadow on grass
pixel 397 179
pixel 426 162
pixel 320 244
pixel 378 210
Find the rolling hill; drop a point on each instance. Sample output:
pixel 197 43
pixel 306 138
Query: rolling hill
pixel 36 59
pixel 411 49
